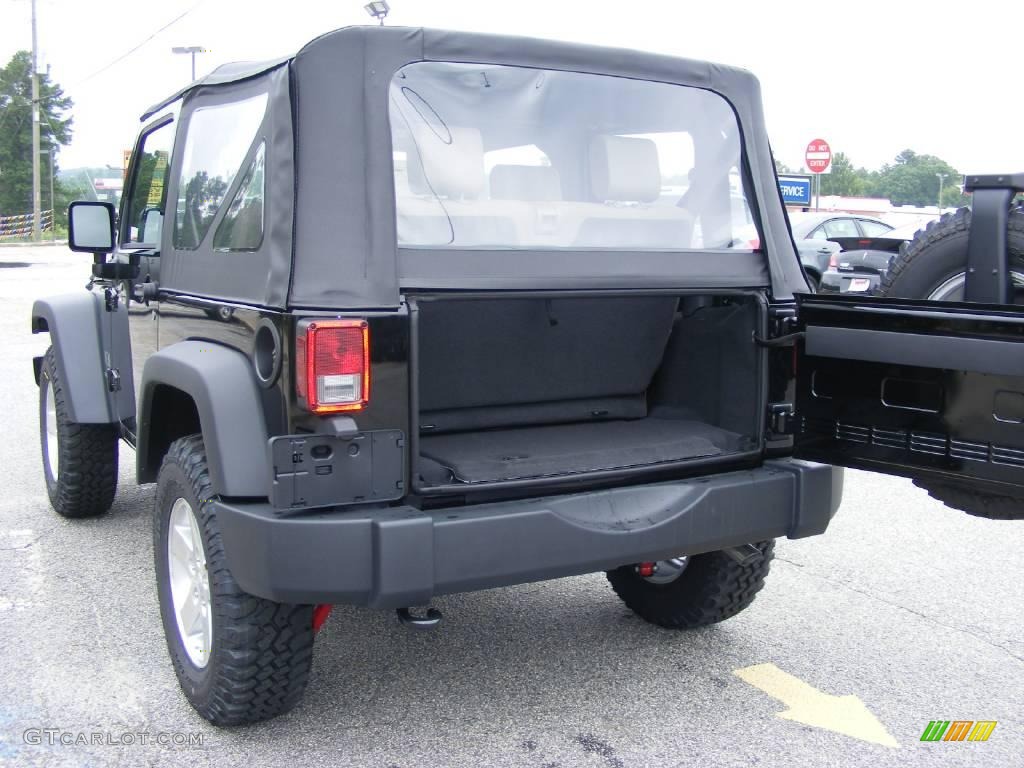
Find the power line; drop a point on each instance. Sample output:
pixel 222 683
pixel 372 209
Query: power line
pixel 129 52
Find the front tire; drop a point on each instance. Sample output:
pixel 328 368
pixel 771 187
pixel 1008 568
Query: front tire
pixel 238 658
pixel 712 587
pixel 79 460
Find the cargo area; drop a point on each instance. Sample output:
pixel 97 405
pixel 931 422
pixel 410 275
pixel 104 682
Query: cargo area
pixel 519 389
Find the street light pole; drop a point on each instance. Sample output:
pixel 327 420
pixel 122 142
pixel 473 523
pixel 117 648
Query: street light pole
pixel 942 178
pixel 190 49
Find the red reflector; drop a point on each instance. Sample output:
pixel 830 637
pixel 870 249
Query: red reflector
pixel 332 367
pixel 337 350
pixel 645 569
pixel 833 260
pixel 755 244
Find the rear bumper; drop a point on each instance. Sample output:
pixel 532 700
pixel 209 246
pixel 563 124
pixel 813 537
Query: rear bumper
pixel 401 556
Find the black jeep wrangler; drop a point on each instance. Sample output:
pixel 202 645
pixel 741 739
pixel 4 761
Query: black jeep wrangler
pixel 416 312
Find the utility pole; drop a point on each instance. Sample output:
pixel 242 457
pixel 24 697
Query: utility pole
pixel 36 192
pixel 942 178
pixel 53 210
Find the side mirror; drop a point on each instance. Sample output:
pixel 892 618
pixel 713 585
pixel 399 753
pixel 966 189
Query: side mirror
pixel 152 223
pixel 91 227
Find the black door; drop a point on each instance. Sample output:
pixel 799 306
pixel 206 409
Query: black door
pixel 141 233
pixel 924 389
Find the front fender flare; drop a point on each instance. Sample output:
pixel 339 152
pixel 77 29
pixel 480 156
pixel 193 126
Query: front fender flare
pixel 223 386
pixel 75 322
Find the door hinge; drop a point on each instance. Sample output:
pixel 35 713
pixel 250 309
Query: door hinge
pixel 781 418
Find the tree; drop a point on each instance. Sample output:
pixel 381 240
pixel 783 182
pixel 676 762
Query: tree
pixel 913 180
pixel 781 167
pixel 16 131
pixel 842 178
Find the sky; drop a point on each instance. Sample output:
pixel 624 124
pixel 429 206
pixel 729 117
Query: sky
pixel 871 78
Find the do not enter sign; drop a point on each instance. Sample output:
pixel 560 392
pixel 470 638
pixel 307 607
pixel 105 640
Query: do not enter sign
pixel 818 156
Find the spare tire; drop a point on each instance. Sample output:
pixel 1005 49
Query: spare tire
pixel 988 505
pixel 933 266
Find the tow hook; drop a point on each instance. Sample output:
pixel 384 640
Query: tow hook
pixel 430 621
pixel 744 554
pixel 646 570
pixel 320 614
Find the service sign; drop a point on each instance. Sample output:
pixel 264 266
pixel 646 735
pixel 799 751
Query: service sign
pixel 795 189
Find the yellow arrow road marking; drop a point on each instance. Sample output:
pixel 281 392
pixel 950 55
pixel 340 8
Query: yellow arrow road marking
pixel 808 705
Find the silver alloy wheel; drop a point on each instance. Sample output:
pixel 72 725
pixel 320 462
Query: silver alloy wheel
pixel 52 444
pixel 953 288
pixel 190 583
pixel 666 571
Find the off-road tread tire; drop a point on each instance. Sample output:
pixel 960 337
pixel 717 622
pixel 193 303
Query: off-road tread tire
pixel 989 506
pixel 936 253
pixel 939 251
pixel 262 650
pixel 86 480
pixel 714 587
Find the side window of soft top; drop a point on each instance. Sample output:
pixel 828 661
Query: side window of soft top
pixel 218 140
pixel 241 229
pixel 143 210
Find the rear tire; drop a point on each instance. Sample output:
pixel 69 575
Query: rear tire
pixel 712 588
pixel 79 460
pixel 259 652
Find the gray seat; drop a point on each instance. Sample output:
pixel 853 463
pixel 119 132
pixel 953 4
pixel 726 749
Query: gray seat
pixel 529 183
pixel 626 170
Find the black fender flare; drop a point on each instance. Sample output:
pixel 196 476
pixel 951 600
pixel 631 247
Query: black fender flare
pixel 75 322
pixel 223 386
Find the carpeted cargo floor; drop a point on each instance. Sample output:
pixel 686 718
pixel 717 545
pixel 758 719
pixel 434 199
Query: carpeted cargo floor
pixel 563 449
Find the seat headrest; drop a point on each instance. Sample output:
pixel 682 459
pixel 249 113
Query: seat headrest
pixel 452 169
pixel 533 183
pixel 624 169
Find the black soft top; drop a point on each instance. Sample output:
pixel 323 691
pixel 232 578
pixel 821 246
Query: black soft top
pixel 344 251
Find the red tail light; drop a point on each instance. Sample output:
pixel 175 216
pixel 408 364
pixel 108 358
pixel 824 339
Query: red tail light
pixel 332 364
pixel 833 261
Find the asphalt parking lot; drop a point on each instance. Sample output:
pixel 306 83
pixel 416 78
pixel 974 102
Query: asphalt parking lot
pixel 912 608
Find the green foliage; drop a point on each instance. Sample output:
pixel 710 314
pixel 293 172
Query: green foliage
pixel 843 179
pixel 911 179
pixel 16 132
